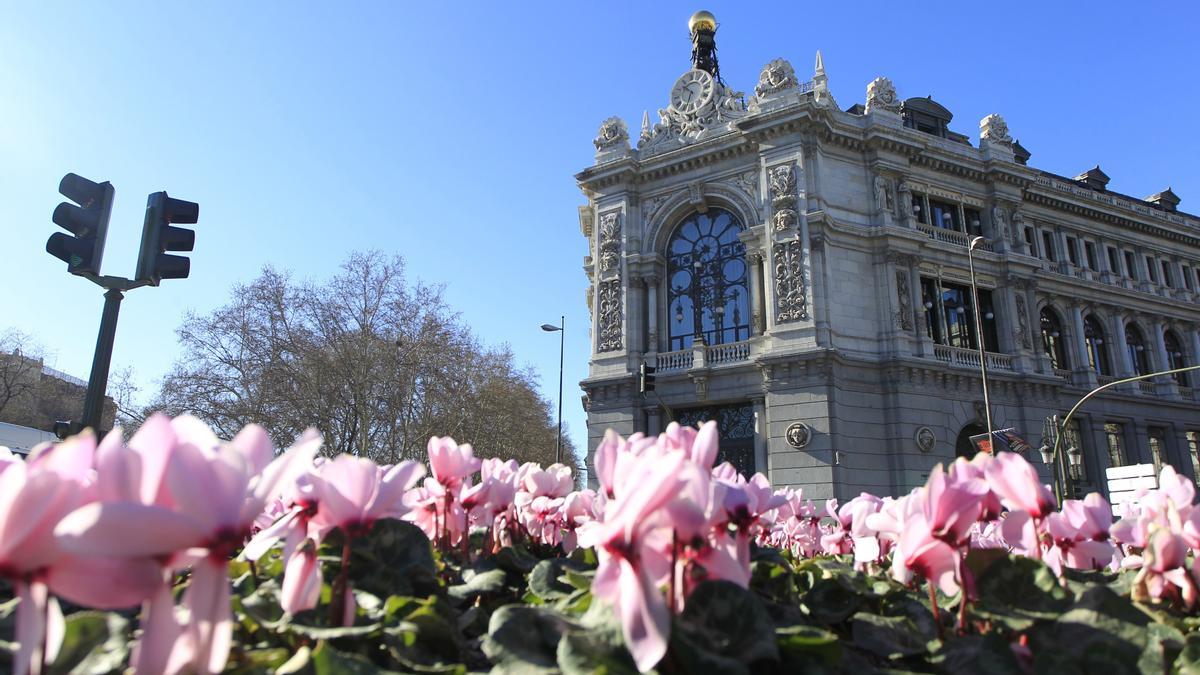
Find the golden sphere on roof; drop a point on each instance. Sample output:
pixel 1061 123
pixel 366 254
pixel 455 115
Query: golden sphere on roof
pixel 702 20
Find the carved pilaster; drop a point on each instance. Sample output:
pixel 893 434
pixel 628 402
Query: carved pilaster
pixel 791 298
pixel 609 245
pixel 782 182
pixel 611 332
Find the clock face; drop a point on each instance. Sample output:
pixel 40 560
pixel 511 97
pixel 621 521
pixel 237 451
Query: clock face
pixel 692 91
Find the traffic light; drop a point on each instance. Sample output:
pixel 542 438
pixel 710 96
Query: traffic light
pixel 158 236
pixel 645 378
pixel 86 219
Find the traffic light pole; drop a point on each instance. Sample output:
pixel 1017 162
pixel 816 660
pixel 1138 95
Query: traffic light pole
pixel 93 406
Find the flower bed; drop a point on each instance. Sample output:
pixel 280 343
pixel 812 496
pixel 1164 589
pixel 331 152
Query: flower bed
pixel 244 559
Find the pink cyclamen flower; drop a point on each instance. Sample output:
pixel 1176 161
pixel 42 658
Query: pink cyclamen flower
pixel 217 490
pixel 450 463
pixel 1016 482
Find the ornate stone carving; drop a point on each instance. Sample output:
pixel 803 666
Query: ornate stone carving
pixel 881 95
pixel 798 435
pixel 925 439
pixel 783 219
pixel 611 333
pixel 650 206
pixel 775 77
pixel 1018 227
pixel 994 129
pixel 782 182
pixel 747 182
pixel 690 121
pixel 880 187
pixel 791 300
pixel 612 132
pixel 904 296
pixel 904 196
pixel 1023 323
pixel 610 241
pixel 1000 223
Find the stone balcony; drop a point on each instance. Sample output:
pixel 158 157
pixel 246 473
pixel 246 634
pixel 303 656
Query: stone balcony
pixel 969 358
pixel 700 356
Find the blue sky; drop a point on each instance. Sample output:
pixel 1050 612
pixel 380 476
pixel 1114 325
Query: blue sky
pixel 450 133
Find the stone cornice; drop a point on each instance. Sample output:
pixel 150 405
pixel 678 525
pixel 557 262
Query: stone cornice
pixel 1057 195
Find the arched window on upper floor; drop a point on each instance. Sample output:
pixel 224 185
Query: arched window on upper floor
pixel 1097 352
pixel 1136 344
pixel 1175 358
pixel 1053 340
pixel 708 283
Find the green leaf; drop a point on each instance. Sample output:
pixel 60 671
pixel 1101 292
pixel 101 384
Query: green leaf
pixel 257 661
pixel 831 600
pixel 891 637
pixel 801 644
pixel 516 559
pixel 1018 591
pixel 1163 645
pixel 479 583
pixel 1102 632
pixel 983 654
pixel 1188 660
pixel 94 643
pixel 725 626
pixel 544 580
pixel 329 661
pixel 525 639
pixel 395 558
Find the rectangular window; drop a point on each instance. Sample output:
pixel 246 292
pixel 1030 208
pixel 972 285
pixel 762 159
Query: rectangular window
pixel 1114 261
pixel 1167 279
pixel 1072 252
pixel 945 216
pixel 1151 269
pixel 1029 240
pixel 1187 277
pixel 1157 440
pixel 1089 250
pixel 1048 246
pixel 918 207
pixel 950 317
pixel 1193 441
pixel 973 222
pixel 1130 268
pixel 1114 432
pixel 1073 439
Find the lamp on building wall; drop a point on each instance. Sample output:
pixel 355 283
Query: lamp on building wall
pixel 1099 341
pixel 1054 333
pixel 989 316
pixel 1075 458
pixel 1046 453
pixel 928 304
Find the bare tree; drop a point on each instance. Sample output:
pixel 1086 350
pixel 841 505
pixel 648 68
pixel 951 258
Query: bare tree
pixel 376 363
pixel 20 375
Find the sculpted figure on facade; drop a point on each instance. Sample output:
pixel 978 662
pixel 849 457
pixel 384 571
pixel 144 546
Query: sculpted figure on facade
pixel 880 187
pixel 1018 227
pixel 611 334
pixel 904 298
pixel 775 77
pixel 904 196
pixel 1023 323
pixel 993 129
pixel 1000 223
pixel 612 133
pixel 791 301
pixel 782 181
pixel 610 241
pixel 881 95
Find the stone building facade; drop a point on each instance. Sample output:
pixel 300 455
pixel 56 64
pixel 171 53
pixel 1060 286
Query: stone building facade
pixel 799 271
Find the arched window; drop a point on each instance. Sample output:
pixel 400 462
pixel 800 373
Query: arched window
pixel 1097 353
pixel 1053 339
pixel 1136 345
pixel 708 284
pixel 1175 357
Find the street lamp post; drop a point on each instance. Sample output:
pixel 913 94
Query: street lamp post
pixel 562 331
pixel 987 404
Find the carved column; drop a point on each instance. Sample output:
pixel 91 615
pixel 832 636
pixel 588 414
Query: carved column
pixel 899 281
pixel 756 292
pixel 1192 377
pixel 610 292
pixel 762 436
pixel 651 314
pixel 1123 363
pixel 1083 372
pixel 1166 384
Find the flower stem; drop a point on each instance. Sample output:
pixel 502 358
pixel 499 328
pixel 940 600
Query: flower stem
pixel 337 608
pixel 937 618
